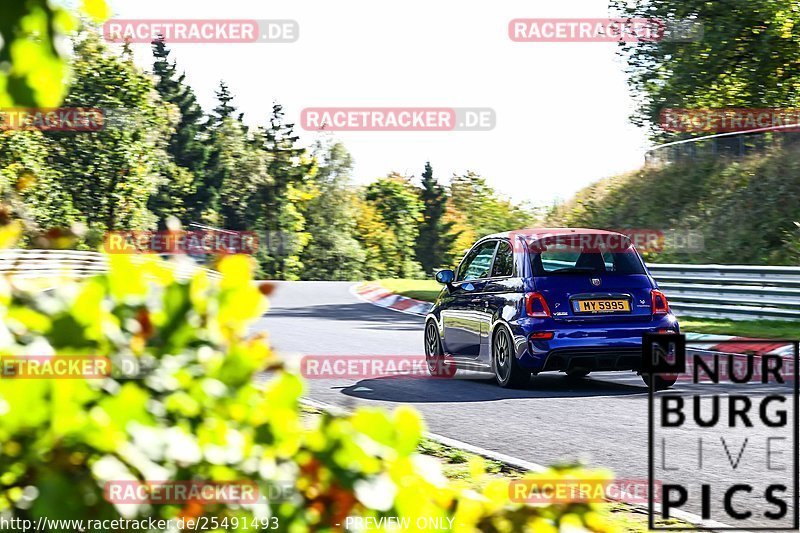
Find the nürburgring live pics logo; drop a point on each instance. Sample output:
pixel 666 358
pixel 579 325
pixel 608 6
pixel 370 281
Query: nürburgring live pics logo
pixel 727 441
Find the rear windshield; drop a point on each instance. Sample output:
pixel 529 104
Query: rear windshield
pixel 557 263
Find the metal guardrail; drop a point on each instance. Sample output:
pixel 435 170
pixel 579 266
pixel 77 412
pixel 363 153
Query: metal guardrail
pixel 731 291
pixel 27 264
pixel 729 144
pixel 715 291
pixel 728 291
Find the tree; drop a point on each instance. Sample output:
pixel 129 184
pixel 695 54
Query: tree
pixel 181 195
pixel 484 211
pixel 745 58
pixel 465 234
pixel 29 185
pixel 278 206
pixel 236 171
pixel 110 174
pixel 398 206
pixel 382 256
pixel 436 238
pixel 224 108
pixel 228 142
pixel 34 69
pixel 332 252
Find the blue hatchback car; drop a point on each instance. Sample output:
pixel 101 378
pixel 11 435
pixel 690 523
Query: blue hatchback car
pixel 549 299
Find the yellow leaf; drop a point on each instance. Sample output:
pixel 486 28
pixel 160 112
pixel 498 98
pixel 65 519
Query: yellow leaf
pixel 96 9
pixel 10 233
pixel 477 467
pixel 236 271
pixel 541 525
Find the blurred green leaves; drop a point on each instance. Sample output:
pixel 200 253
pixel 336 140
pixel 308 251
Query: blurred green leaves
pixel 33 66
pixel 183 403
pixel 184 400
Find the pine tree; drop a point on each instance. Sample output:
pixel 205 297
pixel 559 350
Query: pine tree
pixel 226 136
pixel 288 167
pixel 186 146
pixel 434 245
pixel 224 108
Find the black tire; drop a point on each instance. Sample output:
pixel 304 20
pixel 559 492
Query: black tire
pixel 507 371
pixel 660 382
pixel 578 374
pixel 438 366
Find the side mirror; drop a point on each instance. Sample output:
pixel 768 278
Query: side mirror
pixel 445 277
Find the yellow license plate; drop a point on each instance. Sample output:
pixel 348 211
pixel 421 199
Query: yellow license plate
pixel 601 306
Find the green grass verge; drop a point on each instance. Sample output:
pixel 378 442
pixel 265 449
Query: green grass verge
pixel 763 329
pixel 420 289
pixel 428 290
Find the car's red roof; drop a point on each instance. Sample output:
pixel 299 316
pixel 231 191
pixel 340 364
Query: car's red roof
pixel 535 233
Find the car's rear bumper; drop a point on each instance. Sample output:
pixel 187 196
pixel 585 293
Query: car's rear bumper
pixel 589 347
pixel 593 359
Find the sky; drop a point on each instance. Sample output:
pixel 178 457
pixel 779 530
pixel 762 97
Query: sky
pixel 561 108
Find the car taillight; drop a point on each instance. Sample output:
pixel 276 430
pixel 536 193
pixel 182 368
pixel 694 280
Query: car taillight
pixel 542 335
pixel 535 305
pixel 660 306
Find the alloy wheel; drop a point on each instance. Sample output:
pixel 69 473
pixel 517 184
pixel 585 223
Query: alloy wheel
pixel 434 356
pixel 502 357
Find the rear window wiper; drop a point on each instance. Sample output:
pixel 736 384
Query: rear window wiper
pixel 574 270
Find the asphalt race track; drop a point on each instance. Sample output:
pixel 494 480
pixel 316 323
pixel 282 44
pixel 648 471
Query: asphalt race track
pixel 601 419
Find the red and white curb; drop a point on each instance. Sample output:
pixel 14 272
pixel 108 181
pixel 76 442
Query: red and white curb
pixel 733 344
pixel 375 294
